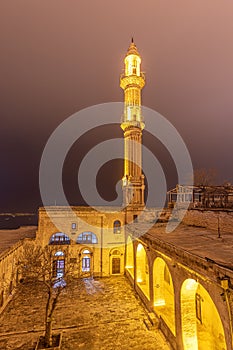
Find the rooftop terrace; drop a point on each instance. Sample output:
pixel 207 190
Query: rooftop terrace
pixel 197 241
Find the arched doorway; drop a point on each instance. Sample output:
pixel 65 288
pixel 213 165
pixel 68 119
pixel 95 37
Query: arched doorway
pixel 142 273
pixel 130 256
pixel 115 262
pixel 59 264
pixel 86 262
pixel 201 324
pixel 163 293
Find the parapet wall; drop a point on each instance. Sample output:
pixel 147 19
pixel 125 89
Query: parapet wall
pixel 210 219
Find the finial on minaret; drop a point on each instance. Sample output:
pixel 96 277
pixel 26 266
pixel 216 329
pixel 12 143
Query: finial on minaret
pixel 132 50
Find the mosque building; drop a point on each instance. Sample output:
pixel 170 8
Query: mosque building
pixel 96 238
pixel 184 278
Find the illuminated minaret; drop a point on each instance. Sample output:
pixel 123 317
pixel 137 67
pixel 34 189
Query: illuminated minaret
pixel 132 81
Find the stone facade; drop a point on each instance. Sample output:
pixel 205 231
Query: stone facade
pixel 101 233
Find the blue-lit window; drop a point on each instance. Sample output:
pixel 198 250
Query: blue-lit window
pixel 59 253
pixel 117 226
pixel 87 238
pixel 59 238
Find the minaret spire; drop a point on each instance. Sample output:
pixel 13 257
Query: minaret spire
pixel 132 81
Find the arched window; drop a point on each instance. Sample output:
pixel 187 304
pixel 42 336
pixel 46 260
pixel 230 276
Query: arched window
pixel 117 226
pixel 116 252
pixel 59 238
pixel 59 253
pixel 87 238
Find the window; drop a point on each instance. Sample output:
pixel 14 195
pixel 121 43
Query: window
pixel 135 218
pixel 59 253
pixel 116 252
pixel 198 300
pixel 86 266
pixel 74 226
pixel 86 261
pixel 86 251
pixel 87 238
pixel 117 226
pixel 58 267
pixel 59 238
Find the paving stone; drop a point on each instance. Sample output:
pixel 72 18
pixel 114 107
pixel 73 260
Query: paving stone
pixel 100 314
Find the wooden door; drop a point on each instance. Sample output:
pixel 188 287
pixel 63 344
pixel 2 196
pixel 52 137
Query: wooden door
pixel 116 265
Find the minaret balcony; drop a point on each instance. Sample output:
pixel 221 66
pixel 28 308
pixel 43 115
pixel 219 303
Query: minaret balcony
pixel 132 80
pixel 127 124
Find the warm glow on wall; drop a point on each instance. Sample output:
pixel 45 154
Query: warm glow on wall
pixel 140 247
pixel 132 65
pixel 159 302
pixel 130 256
pixel 191 285
pixel 129 266
pixel 142 275
pixel 139 280
pixel 164 293
pixel 201 324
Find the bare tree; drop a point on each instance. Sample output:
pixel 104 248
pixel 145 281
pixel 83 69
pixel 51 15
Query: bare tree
pixel 36 264
pixel 205 177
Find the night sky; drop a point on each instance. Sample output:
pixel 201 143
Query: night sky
pixel 60 56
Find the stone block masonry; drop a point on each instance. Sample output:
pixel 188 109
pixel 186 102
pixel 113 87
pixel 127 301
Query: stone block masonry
pixel 94 314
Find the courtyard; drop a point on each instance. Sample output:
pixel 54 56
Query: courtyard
pixel 92 313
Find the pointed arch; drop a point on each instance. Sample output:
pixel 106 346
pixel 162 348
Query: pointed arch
pixel 201 323
pixel 164 293
pixel 142 273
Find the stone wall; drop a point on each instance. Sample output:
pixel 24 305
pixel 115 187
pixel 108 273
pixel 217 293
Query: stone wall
pixel 9 274
pixel 210 219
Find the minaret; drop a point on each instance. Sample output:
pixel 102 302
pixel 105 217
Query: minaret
pixel 132 81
